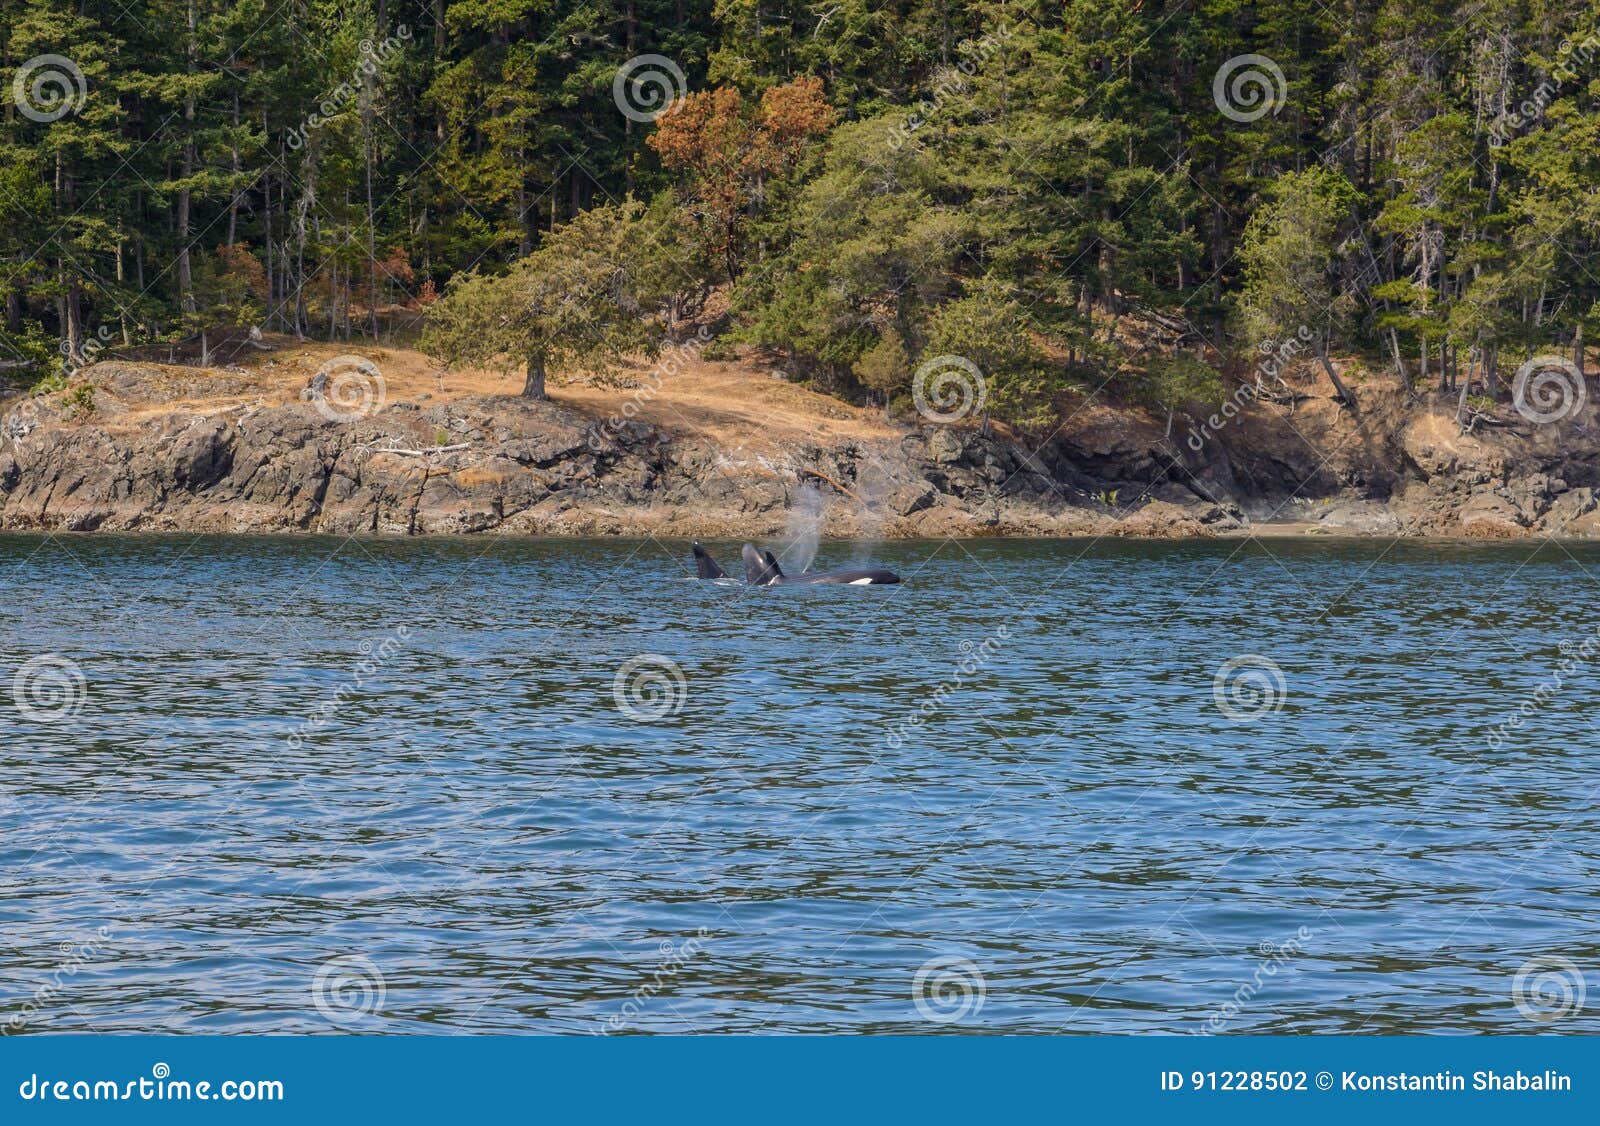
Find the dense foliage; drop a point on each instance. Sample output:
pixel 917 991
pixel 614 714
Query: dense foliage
pixel 1067 193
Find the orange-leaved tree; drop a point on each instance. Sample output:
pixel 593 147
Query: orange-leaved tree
pixel 725 152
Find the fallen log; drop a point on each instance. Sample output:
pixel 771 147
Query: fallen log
pixel 829 480
pixel 422 453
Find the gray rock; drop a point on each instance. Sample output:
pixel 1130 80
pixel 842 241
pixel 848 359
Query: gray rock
pixel 945 446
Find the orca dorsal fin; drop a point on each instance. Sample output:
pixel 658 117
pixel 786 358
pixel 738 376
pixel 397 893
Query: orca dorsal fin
pixel 706 567
pixel 759 569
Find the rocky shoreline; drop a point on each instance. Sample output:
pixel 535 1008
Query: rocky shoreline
pixel 144 459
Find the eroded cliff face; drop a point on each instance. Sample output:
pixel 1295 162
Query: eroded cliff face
pixel 473 464
pixel 147 458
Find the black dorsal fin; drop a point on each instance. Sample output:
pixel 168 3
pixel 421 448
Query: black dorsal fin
pixel 706 567
pixel 759 569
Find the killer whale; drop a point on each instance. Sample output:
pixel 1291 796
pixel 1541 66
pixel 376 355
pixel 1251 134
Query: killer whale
pixel 706 567
pixel 761 569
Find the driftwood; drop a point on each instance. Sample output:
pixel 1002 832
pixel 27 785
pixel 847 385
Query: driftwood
pixel 423 453
pixel 829 480
pixel 1476 417
pixel 229 410
pixel 1179 326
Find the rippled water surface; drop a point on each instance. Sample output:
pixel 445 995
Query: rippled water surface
pixel 324 785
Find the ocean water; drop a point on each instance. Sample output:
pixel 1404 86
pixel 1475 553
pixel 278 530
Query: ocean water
pixel 531 786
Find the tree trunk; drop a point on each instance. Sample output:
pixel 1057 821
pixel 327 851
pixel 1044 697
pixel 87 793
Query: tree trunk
pixel 333 300
pixel 236 191
pixel 1344 396
pixel 185 272
pixel 1399 361
pixel 303 206
pixel 72 320
pixel 372 233
pixel 122 310
pixel 533 385
pixel 267 245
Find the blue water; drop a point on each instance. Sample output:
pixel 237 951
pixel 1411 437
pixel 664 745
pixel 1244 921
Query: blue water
pixel 275 785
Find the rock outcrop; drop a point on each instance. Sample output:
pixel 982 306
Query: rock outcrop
pixel 140 457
